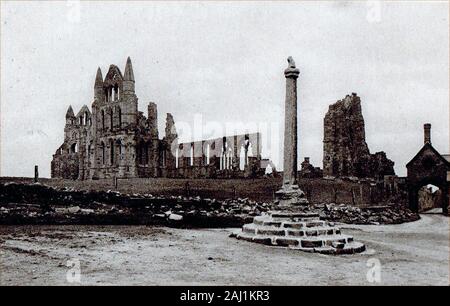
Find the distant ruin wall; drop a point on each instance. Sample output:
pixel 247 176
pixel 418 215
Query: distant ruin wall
pixel 345 151
pixel 237 156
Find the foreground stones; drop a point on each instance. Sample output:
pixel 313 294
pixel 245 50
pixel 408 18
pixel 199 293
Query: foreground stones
pixel 40 204
pixel 299 231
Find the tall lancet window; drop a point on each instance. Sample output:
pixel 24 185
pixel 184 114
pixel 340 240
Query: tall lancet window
pixel 116 92
pixel 103 153
pixel 120 117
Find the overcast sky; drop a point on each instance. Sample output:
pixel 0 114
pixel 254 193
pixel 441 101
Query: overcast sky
pixel 225 61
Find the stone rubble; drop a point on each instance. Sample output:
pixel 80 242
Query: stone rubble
pixel 39 204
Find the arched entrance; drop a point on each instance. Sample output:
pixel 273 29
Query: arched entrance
pixel 428 194
pixel 428 167
pixel 430 199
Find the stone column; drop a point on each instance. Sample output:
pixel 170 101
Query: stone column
pixel 290 193
pixel 290 125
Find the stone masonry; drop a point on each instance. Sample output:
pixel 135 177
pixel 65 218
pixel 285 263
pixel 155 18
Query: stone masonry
pixel 294 223
pixel 116 140
pixel 345 151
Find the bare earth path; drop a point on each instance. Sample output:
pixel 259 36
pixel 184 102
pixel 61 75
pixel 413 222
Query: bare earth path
pixel 415 253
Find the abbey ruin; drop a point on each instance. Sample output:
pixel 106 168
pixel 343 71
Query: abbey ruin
pixel 345 151
pixel 116 140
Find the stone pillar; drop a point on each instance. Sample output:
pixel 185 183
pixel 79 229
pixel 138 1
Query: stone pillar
pixel 290 193
pixel 290 125
pixel 36 174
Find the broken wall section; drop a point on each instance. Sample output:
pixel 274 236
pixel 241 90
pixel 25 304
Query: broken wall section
pixel 345 151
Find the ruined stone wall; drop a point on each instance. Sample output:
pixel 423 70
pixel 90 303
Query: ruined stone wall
pixel 345 151
pixel 65 166
pixel 115 140
pixel 236 156
pixel 309 171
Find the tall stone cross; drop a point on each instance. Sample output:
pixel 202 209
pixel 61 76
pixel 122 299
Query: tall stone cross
pixel 290 193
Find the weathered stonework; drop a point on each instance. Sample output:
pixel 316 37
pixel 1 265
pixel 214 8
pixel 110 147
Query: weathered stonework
pixel 345 151
pixel 309 171
pixel 116 140
pixel 295 224
pixel 428 167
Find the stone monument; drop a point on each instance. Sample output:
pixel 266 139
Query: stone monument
pixel 290 193
pixel 294 224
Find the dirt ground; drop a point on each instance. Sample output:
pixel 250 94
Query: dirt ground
pixel 415 253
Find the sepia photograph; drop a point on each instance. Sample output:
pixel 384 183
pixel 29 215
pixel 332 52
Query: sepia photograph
pixel 224 149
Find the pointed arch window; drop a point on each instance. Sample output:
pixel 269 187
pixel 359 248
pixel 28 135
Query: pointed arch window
pixel 103 152
pixel 111 145
pixel 116 92
pixel 103 119
pixel 111 121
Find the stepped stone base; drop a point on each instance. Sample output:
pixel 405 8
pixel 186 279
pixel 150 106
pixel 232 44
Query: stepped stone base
pixel 291 195
pixel 299 230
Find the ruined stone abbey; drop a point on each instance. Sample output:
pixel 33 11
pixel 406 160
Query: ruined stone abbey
pixel 115 139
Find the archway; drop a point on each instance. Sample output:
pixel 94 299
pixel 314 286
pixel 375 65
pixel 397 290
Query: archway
pixel 429 199
pixel 428 195
pixel 428 167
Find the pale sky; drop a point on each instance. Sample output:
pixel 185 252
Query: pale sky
pixel 225 61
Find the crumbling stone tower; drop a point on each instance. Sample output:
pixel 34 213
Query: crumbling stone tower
pixel 115 140
pixel 345 151
pixel 115 111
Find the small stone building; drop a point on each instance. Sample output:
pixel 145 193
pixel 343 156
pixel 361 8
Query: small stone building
pixel 428 167
pixel 115 139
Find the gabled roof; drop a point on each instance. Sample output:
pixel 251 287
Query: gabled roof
pixel 113 74
pixel 83 110
pixel 432 149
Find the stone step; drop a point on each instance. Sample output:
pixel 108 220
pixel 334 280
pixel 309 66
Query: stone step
pixel 335 241
pixel 349 248
pixel 267 221
pixel 300 231
pixel 252 228
pixel 290 215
